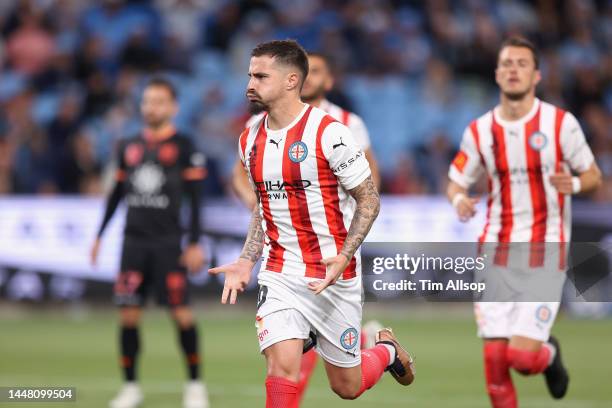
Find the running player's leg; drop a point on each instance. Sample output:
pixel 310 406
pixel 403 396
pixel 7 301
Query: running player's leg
pixel 493 320
pixel 283 370
pixel 310 358
pixel 532 350
pixel 349 377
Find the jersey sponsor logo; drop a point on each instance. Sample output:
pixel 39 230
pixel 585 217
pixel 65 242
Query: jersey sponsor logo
pixel 167 154
pixel 347 163
pixel 543 313
pixel 277 190
pixel 262 332
pixel 133 154
pixel 538 141
pixel 147 181
pixel 460 161
pixel 349 338
pixel 298 151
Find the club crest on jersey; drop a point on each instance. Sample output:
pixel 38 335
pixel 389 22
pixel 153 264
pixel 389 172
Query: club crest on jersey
pixel 543 313
pixel 298 151
pixel 538 141
pixel 349 338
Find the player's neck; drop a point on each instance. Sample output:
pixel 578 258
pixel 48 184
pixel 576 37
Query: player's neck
pixel 512 110
pixel 284 113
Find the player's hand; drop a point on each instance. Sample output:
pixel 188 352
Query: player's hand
pixel 193 258
pixel 335 267
pixel 237 276
pixel 93 253
pixel 562 182
pixel 466 208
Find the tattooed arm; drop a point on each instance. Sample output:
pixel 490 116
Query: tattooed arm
pixel 368 207
pixel 238 273
pixel 253 246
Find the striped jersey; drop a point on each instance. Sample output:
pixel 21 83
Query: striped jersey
pixel 347 118
pixel 301 174
pixel 519 157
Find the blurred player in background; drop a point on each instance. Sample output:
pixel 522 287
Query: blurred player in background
pixel 318 83
pixel 317 202
pixel 527 148
pixel 156 170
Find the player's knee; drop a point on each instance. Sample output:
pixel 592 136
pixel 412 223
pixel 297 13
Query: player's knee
pixel 129 317
pixel 345 389
pixel 279 368
pixel 182 316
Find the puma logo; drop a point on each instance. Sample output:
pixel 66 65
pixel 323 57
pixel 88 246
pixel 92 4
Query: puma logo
pixel 275 143
pixel 339 144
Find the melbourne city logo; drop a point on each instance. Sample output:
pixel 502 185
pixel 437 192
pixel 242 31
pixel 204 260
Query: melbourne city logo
pixel 298 151
pixel 538 140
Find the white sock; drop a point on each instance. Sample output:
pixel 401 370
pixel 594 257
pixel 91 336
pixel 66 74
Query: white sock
pixel 553 352
pixel 391 353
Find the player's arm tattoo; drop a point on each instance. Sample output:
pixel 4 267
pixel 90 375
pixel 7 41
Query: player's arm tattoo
pixel 254 243
pixel 368 207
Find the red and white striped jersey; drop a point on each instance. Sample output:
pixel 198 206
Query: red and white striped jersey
pixel 347 118
pixel 301 174
pixel 519 157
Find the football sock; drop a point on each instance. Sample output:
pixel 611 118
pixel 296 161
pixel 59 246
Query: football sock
pixel 281 393
pixel 189 343
pixel 497 373
pixel 530 362
pixel 374 361
pixel 129 344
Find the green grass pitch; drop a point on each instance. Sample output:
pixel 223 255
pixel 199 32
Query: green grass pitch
pixel 78 349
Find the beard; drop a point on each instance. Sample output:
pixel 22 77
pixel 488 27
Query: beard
pixel 256 107
pixel 154 122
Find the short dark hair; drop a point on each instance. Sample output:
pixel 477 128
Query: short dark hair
pixel 287 52
pixel 164 83
pixel 325 57
pixel 518 41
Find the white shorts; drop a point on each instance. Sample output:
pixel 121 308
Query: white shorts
pixel 288 309
pixel 506 319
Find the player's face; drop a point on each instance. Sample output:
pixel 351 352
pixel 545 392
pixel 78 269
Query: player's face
pixel 157 106
pixel 269 81
pixel 516 73
pixel 319 80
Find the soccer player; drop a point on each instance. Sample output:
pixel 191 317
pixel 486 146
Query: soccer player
pixel 317 202
pixel 157 168
pixel 527 148
pixel 319 82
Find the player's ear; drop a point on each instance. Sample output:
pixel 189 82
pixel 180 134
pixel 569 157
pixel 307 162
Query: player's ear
pixel 293 81
pixel 537 77
pixel 497 76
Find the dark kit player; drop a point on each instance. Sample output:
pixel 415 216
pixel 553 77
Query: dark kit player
pixel 156 170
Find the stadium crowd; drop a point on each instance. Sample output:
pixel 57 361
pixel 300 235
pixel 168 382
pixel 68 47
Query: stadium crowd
pixel 417 72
